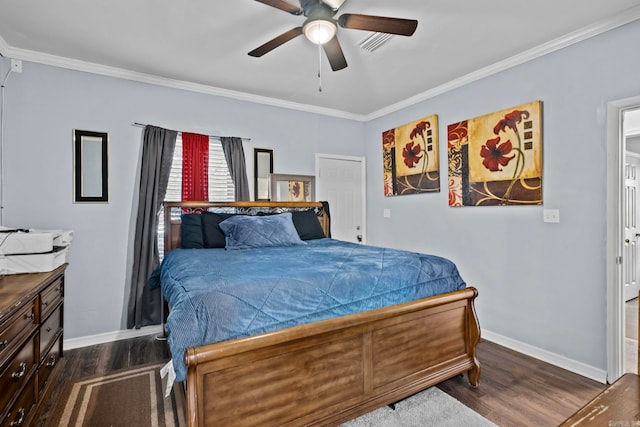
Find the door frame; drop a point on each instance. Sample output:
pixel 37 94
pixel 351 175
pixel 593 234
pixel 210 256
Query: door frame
pixel 615 238
pixel 363 183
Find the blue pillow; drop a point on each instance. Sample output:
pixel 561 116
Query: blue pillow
pixel 245 231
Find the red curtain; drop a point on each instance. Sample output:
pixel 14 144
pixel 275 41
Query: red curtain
pixel 195 167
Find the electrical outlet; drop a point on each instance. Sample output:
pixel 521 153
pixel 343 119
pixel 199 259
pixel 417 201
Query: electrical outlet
pixel 551 215
pixel 386 213
pixel 16 65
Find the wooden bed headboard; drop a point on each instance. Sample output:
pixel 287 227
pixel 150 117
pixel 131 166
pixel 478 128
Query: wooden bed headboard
pixel 174 210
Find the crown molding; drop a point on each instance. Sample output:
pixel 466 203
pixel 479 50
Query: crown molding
pixel 577 36
pixel 569 39
pixel 121 73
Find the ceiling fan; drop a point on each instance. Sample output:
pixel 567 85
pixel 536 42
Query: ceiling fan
pixel 320 27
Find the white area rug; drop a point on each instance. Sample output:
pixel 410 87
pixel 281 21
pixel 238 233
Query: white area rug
pixel 431 407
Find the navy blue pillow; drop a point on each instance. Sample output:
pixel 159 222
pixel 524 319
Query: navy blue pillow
pixel 308 225
pixel 191 231
pixel 212 235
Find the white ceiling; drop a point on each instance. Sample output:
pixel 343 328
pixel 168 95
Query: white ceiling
pixel 202 45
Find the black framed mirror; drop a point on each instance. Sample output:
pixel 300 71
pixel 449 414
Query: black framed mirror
pixel 91 167
pixel 262 169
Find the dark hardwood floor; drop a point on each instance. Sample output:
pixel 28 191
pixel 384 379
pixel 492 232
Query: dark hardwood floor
pixel 515 390
pixel 518 390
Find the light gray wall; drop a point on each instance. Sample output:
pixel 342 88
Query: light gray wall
pixel 43 106
pixel 541 284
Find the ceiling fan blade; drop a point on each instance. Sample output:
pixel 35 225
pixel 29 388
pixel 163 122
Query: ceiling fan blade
pixel 275 42
pixel 334 54
pixel 334 4
pixel 381 24
pixel 283 5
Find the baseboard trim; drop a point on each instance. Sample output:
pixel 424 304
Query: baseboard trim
pixel 106 337
pixel 563 362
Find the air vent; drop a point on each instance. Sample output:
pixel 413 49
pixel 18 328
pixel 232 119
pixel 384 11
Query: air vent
pixel 374 41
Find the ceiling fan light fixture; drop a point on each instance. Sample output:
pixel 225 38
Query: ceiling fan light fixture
pixel 319 31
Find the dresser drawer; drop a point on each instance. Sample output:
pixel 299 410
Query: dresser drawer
pixel 15 328
pixel 21 411
pixel 49 363
pixel 51 297
pixel 18 371
pixel 50 329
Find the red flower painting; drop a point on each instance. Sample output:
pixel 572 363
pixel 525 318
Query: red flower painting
pixel 496 159
pixel 410 158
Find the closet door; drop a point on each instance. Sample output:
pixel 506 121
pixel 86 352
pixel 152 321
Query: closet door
pixel 340 181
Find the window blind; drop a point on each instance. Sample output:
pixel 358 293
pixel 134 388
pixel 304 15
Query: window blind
pixel 221 188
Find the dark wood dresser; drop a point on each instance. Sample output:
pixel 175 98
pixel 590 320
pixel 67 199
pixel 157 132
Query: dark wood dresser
pixel 31 321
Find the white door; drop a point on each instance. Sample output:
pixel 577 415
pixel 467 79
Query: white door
pixel 340 181
pixel 631 262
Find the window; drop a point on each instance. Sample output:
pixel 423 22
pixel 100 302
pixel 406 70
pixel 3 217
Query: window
pixel 221 188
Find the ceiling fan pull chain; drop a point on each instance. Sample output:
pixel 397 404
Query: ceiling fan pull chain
pixel 319 68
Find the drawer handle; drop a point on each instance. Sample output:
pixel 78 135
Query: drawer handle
pixel 19 421
pixel 46 303
pixel 49 329
pixel 32 316
pixel 52 362
pixel 4 344
pixel 19 374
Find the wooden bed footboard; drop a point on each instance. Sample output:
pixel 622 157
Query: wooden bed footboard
pixel 328 372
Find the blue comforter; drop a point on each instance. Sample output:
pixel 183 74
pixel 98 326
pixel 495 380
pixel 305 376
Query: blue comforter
pixel 218 294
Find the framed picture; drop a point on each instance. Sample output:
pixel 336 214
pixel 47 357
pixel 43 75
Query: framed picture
pixel 496 159
pixel 410 158
pixel 91 167
pixel 292 188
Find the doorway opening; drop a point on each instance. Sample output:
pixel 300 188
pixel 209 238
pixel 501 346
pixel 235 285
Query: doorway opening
pixel 631 242
pixel 621 243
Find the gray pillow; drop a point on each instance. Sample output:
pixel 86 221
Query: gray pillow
pixel 245 231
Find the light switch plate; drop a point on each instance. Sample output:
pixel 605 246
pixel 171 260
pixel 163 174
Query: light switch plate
pixel 551 215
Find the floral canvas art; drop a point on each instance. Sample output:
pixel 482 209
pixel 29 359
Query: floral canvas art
pixel 298 192
pixel 496 159
pixel 410 158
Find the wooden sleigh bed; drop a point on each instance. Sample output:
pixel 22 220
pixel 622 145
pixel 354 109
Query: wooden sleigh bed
pixel 331 371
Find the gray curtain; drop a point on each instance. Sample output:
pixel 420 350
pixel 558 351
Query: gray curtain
pixel 157 153
pixel 234 153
